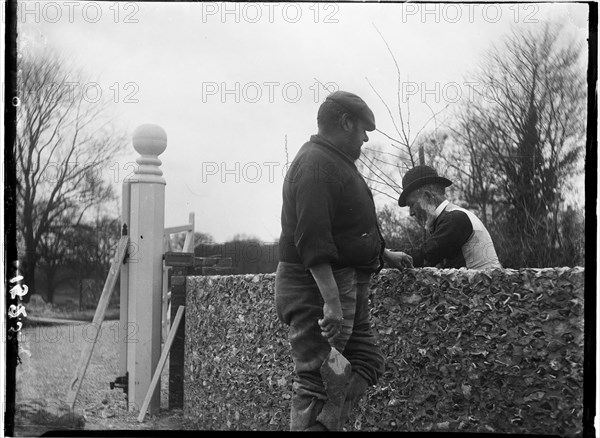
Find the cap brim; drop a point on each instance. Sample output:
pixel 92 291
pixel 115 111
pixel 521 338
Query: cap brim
pixel 369 125
pixel 420 183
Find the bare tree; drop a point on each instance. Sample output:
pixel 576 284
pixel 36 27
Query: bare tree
pixel 53 249
pixel 525 136
pixel 464 162
pixel 510 151
pixel 70 252
pixel 383 167
pixel 63 142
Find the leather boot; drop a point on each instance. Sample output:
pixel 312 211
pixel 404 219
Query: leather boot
pixel 303 413
pixel 356 389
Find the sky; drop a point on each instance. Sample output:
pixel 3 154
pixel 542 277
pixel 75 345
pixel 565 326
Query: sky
pixel 237 86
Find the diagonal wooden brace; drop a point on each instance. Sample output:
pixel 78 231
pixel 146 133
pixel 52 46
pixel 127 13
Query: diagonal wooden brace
pixel 86 353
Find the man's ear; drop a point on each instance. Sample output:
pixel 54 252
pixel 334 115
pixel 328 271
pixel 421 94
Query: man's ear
pixel 428 195
pixel 346 122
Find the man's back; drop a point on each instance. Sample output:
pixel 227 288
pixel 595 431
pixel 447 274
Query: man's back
pixel 328 214
pixel 478 251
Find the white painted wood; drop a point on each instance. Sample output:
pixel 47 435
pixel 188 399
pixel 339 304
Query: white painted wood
pixel 88 349
pixel 178 229
pixel 124 283
pixel 188 245
pixel 161 362
pixel 146 267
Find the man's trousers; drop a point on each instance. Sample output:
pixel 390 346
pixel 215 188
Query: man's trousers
pixel 299 304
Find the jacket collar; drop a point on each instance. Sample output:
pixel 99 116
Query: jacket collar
pixel 329 145
pixel 436 214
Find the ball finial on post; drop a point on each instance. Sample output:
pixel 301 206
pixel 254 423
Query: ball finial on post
pixel 149 141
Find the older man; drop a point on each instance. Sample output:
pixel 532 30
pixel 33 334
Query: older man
pixel 330 245
pixel 457 237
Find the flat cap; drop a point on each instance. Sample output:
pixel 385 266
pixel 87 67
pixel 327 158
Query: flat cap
pixel 355 105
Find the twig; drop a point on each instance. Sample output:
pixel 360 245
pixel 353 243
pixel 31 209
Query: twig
pixel 386 107
pixel 380 152
pixel 406 137
pixel 433 117
pixel 384 193
pixel 382 173
pixel 383 181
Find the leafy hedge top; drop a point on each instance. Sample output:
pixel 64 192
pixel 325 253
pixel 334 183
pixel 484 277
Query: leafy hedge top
pixel 488 351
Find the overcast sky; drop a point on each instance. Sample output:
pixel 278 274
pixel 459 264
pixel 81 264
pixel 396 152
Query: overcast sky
pixel 228 82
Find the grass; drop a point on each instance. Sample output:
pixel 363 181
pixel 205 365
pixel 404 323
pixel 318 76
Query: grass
pixel 50 355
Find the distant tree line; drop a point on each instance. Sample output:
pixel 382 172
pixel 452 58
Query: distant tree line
pixel 249 255
pixel 71 253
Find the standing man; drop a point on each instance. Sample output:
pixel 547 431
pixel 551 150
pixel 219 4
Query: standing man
pixel 330 245
pixel 457 237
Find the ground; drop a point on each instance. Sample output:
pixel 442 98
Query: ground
pixel 49 357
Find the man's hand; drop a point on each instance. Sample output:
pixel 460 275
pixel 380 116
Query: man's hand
pixel 332 309
pixel 398 259
pixel 331 324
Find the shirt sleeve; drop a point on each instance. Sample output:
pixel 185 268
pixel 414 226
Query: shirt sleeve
pixel 318 190
pixel 451 233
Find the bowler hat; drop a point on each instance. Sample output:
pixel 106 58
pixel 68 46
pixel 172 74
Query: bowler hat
pixel 355 105
pixel 417 177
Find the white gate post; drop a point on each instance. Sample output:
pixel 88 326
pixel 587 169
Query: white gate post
pixel 124 281
pixel 147 218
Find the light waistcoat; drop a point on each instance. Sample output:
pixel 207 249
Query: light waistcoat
pixel 478 250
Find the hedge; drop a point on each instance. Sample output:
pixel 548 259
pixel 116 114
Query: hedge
pixel 466 351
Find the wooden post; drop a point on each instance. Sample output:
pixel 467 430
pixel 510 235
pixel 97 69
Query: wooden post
pixel 188 244
pixel 165 321
pixel 177 350
pixel 421 156
pixel 124 281
pixel 147 217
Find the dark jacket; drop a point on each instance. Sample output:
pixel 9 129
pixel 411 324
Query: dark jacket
pixel 328 213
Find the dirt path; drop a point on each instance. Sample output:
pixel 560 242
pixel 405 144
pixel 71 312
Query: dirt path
pixel 38 423
pixel 49 356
